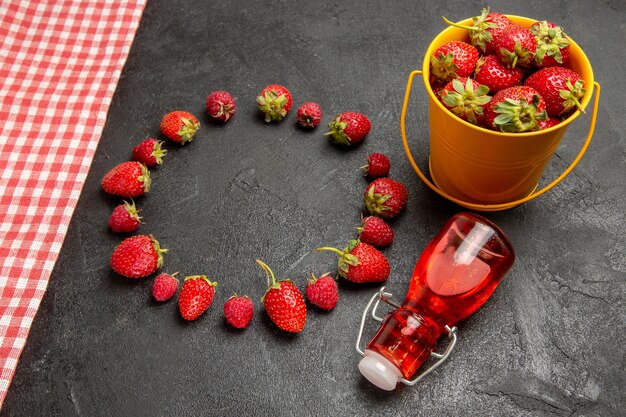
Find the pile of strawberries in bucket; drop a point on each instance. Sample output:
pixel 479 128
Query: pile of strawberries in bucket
pixel 507 77
pixel 141 256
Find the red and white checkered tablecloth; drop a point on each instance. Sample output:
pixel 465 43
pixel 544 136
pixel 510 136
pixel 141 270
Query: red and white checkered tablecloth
pixel 60 62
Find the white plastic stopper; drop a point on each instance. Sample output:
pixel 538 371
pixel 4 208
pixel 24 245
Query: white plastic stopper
pixel 379 371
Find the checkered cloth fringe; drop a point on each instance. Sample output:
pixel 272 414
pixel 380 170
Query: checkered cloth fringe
pixel 59 65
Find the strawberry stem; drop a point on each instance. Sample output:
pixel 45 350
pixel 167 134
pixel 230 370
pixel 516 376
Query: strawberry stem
pixel 337 251
pixel 268 273
pixel 456 25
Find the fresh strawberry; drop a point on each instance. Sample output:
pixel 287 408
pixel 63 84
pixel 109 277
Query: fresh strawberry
pixel 561 88
pixel 164 286
pixel 376 232
pixel 377 166
pixel 196 295
pixel 137 256
pixel 491 72
pixel 283 302
pixel 149 152
pixel 129 179
pixel 322 292
pixel 349 128
pixel 385 197
pixel 452 60
pixel 309 115
pixel 220 105
pixel 275 101
pixel 515 109
pixel 516 46
pixel 465 98
pixel 485 29
pixel 552 44
pixel 238 311
pixel 547 124
pixel 125 218
pixel 360 262
pixel 180 126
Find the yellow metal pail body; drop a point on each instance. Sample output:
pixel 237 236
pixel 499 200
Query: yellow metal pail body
pixel 484 167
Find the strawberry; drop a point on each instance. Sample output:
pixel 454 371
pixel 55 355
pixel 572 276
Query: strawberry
pixel 322 292
pixel 196 295
pixel 376 232
pixel 552 44
pixel 452 60
pixel 360 262
pixel 283 302
pixel 377 166
pixel 349 128
pixel 491 72
pixel 385 197
pixel 129 179
pixel 465 98
pixel 275 101
pixel 309 115
pixel 485 29
pixel 561 88
pixel 238 311
pixel 220 105
pixel 149 152
pixel 137 256
pixel 164 286
pixel 515 109
pixel 179 126
pixel 516 46
pixel 547 124
pixel 125 218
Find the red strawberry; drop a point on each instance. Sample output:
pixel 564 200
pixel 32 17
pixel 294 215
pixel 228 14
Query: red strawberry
pixel 452 60
pixel 515 109
pixel 129 179
pixel 516 46
pixel 125 218
pixel 275 101
pixel 220 105
pixel 349 128
pixel 465 98
pixel 561 88
pixel 385 197
pixel 149 152
pixel 180 126
pixel 137 256
pixel 283 302
pixel 238 311
pixel 376 232
pixel 164 286
pixel 309 115
pixel 491 72
pixel 485 29
pixel 547 124
pixel 360 262
pixel 196 295
pixel 322 292
pixel 552 44
pixel 377 166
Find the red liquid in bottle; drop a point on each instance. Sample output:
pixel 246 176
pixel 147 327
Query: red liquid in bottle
pixel 459 269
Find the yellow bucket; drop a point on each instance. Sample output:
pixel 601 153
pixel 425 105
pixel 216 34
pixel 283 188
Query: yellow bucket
pixel 482 169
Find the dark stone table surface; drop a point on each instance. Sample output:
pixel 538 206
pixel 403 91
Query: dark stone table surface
pixel 550 342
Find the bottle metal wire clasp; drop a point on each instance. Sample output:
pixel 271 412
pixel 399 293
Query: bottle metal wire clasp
pixel 384 296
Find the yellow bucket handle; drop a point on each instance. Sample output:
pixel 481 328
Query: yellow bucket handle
pixel 492 207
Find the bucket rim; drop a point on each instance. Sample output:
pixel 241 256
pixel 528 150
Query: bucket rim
pixel 525 21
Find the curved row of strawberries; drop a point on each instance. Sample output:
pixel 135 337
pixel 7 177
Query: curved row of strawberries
pixel 141 255
pixel 520 83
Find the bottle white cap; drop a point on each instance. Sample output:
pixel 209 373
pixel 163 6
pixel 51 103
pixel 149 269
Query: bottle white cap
pixel 379 371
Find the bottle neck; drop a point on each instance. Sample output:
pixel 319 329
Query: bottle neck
pixel 406 339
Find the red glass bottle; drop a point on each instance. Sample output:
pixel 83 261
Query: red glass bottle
pixel 457 272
